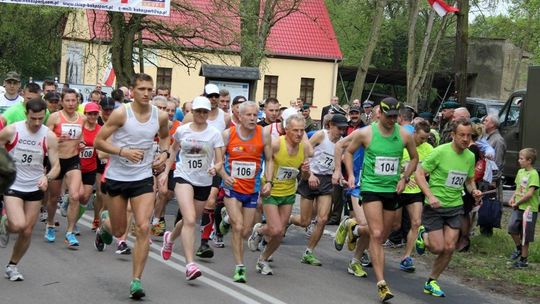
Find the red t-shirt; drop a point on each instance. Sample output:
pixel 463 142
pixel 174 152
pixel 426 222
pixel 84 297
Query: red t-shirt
pixel 88 154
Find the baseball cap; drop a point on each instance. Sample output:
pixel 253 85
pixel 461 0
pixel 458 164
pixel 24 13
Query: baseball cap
pixel 288 113
pixel 426 115
pixel 13 76
pixel 390 106
pixel 449 105
pixel 52 96
pixel 339 120
pixel 354 109
pixel 91 107
pixel 201 102
pixel 107 103
pixel 367 103
pixel 239 99
pixel 211 89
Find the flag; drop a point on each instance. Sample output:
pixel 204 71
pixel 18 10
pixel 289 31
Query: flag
pixel 109 76
pixel 442 8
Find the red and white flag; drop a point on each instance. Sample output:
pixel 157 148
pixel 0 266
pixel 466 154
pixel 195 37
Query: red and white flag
pixel 109 76
pixel 442 8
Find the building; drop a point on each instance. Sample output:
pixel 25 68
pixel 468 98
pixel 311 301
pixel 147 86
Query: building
pixel 302 56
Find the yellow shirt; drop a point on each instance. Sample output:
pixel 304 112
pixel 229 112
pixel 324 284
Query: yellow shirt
pixel 286 169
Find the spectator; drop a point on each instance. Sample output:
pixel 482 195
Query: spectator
pixel 163 91
pixel 224 100
pixel 367 116
pixel 334 101
pixel 445 117
pixel 271 111
pixel 310 124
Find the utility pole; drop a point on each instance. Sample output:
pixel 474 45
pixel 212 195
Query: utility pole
pixel 462 46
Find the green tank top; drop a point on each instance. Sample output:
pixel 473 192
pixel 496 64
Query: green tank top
pixel 286 168
pixel 382 158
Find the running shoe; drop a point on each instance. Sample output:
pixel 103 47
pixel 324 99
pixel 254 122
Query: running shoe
pixel 123 248
pixel 365 260
pixel 135 290
pixel 43 215
pixel 71 241
pixel 255 238
pixel 309 258
pixel 167 247
pixel 263 268
pixel 50 234
pixel 407 264
pixel 341 234
pixel 192 271
pixel 433 289
pixel 98 242
pixel 240 274
pixel 262 245
pixel 355 268
pixel 218 241
pixel 515 255
pixel 64 205
pixel 420 245
pixel 384 292
pixel 224 226
pixel 351 243
pixel 95 224
pixel 76 230
pixel 157 230
pixel 309 228
pixel 205 252
pixel 13 274
pixel 521 264
pixel 4 233
pixel 105 235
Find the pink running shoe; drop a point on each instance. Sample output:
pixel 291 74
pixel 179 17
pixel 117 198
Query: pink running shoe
pixel 166 249
pixel 192 271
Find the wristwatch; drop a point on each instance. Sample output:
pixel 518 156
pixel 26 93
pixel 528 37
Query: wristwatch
pixel 270 182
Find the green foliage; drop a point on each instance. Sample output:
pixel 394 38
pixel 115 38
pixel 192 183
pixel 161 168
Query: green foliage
pixel 30 39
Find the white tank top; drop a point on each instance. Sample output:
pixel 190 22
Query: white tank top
pixel 28 150
pixel 274 130
pixel 135 135
pixel 219 122
pixel 322 161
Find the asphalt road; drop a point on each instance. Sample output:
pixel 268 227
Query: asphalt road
pixel 54 274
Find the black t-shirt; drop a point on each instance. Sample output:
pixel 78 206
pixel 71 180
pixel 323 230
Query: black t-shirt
pixel 263 123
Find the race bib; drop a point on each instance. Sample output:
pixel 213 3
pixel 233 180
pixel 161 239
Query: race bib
pixel 194 162
pixel 455 179
pixel 72 131
pixel 243 170
pixel 28 158
pixel 386 165
pixel 87 152
pixel 286 173
pixel 326 160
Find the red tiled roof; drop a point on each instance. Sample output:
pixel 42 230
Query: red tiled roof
pixel 307 33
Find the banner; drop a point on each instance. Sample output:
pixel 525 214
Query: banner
pixel 149 7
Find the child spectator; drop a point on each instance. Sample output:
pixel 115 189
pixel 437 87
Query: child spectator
pixel 525 196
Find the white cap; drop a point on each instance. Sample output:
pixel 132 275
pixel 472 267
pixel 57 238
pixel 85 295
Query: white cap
pixel 201 102
pixel 288 113
pixel 211 89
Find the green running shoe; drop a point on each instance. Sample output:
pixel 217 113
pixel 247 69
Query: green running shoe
pixel 135 290
pixel 420 245
pixel 341 234
pixel 309 258
pixel 384 292
pixel 433 289
pixel 240 274
pixel 355 268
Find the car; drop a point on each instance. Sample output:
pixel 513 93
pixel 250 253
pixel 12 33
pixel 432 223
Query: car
pixel 510 126
pixel 480 107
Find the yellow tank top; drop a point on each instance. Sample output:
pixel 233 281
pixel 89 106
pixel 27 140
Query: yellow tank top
pixel 286 169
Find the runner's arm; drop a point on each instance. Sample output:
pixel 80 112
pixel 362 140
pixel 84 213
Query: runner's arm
pixel 52 151
pixel 7 135
pixel 187 118
pixel 527 196
pixel 115 122
pixel 413 154
pixel 164 141
pixel 420 178
pixel 341 145
pixel 268 158
pixel 355 142
pixel 225 135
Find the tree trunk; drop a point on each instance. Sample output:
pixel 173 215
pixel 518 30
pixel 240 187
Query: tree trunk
pixel 462 45
pixel 361 74
pixel 414 9
pixel 122 41
pixel 249 35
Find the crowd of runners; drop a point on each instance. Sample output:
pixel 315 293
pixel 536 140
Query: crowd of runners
pixel 234 171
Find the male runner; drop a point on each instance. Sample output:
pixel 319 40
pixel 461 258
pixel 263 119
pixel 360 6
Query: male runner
pixel 451 168
pixel 129 176
pixel 27 142
pixel 380 181
pixel 245 149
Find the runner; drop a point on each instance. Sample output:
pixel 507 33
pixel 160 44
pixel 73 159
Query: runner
pixel 220 120
pixel 27 142
pixel 88 155
pixel 17 112
pixel 450 167
pixel 245 149
pixel 67 125
pixel 200 147
pixel 289 153
pixel 129 175
pixel 383 142
pixel 412 198
pixel 12 83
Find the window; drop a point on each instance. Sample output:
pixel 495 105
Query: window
pixel 270 86
pixel 164 77
pixel 306 90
